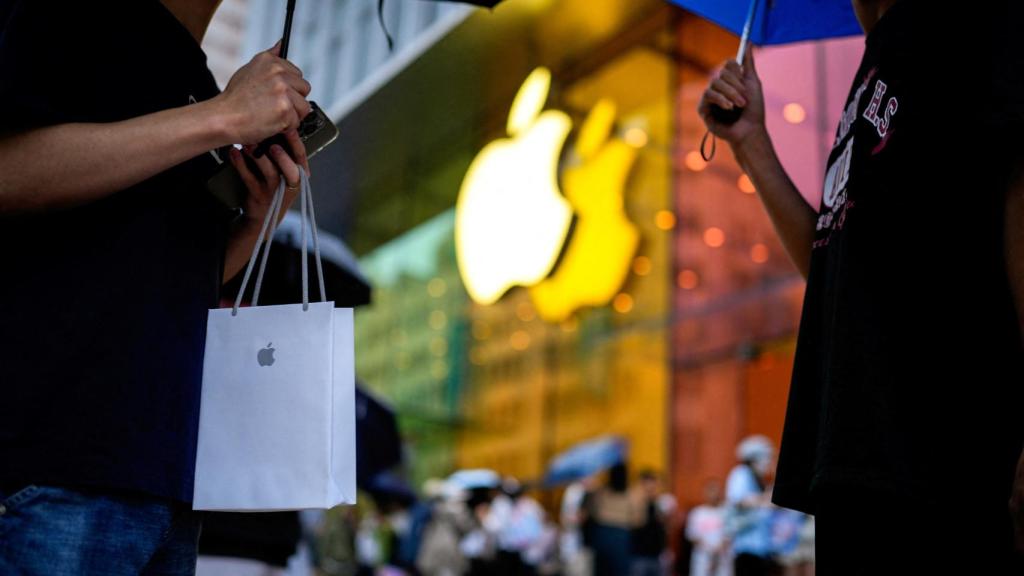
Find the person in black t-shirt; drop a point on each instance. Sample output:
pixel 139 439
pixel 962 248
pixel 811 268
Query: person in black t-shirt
pixel 112 252
pixel 903 426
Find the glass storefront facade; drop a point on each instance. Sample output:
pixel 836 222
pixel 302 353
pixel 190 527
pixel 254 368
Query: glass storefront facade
pixel 694 348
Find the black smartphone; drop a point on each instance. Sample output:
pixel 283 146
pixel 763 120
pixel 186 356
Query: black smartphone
pixel 316 130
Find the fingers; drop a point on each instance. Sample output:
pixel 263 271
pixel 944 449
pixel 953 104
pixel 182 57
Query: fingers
pixel 290 172
pixel 733 75
pixel 289 69
pixel 250 179
pixel 716 98
pixel 298 84
pixel 736 83
pixel 287 167
pixel 732 67
pixel 273 57
pixel 729 91
pixel 292 104
pixel 298 148
pixel 267 169
pixel 301 106
pixel 274 67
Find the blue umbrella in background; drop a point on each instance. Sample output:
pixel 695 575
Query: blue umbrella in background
pixel 475 479
pixel 586 459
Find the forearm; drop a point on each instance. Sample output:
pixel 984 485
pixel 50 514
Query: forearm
pixel 73 164
pixel 794 219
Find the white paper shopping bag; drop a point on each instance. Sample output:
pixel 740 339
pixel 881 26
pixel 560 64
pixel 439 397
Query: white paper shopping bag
pixel 343 463
pixel 277 418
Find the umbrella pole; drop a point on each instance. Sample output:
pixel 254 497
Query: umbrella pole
pixel 745 38
pixel 287 35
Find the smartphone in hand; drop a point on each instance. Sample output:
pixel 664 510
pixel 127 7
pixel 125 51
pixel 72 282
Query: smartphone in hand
pixel 316 131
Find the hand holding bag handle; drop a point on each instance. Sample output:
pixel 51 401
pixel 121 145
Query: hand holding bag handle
pixel 266 237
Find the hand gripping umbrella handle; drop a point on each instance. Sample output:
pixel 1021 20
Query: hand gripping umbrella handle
pixel 731 116
pixel 286 37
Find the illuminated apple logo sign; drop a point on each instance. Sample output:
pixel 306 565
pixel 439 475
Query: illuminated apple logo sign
pixel 512 221
pixel 265 357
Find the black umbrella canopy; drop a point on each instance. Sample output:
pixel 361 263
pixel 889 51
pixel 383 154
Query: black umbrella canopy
pixel 290 12
pixel 388 487
pixel 380 14
pixel 378 442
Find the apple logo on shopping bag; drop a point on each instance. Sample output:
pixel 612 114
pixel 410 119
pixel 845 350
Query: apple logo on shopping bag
pixel 265 357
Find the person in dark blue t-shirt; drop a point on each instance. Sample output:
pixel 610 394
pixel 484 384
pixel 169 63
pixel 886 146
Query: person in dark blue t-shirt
pixel 112 252
pixel 903 427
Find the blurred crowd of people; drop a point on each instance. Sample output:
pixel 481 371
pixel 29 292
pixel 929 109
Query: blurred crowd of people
pixel 602 529
pixel 741 532
pixel 605 526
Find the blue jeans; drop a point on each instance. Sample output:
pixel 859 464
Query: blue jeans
pixel 59 531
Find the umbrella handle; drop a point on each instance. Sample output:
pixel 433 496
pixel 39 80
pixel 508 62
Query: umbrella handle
pixel 730 117
pixel 726 117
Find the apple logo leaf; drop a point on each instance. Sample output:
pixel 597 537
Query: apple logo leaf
pixel 529 101
pixel 596 129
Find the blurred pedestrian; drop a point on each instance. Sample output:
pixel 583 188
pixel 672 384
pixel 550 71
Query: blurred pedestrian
pixel 705 528
pixel 519 523
pixel 450 521
pixel 612 513
pixel 650 537
pixel 886 341
pixel 479 545
pixel 111 126
pixel 793 541
pixel 420 515
pixel 373 542
pixel 749 514
pixel 335 550
pixel 575 554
